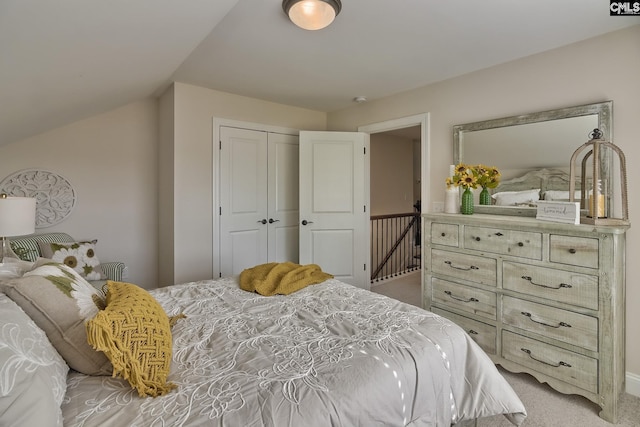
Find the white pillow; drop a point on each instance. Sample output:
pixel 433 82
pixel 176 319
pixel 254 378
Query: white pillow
pixel 562 196
pixel 515 198
pixel 13 267
pixel 33 376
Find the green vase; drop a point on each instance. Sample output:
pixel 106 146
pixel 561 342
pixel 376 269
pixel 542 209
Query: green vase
pixel 485 196
pixel 467 202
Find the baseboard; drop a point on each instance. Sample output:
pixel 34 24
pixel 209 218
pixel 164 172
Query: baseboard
pixel 633 384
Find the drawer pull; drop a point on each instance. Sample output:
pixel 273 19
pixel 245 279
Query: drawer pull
pixel 499 234
pixel 562 285
pixel 472 332
pixel 520 244
pixel 524 313
pixel 471 267
pixel 555 365
pixel 477 239
pixel 461 299
pixel 443 234
pixel 572 251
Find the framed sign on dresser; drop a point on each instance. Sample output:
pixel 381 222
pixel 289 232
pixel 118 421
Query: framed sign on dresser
pixel 539 297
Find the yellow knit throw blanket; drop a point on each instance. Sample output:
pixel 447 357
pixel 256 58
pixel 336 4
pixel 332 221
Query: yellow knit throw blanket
pixel 134 333
pixel 281 278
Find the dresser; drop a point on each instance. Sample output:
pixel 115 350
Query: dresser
pixel 539 297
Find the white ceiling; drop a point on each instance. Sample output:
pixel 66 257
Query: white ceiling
pixel 65 60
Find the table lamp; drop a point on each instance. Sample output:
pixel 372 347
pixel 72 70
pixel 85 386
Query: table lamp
pixel 17 218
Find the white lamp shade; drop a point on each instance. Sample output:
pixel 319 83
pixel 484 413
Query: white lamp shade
pixel 312 14
pixel 17 216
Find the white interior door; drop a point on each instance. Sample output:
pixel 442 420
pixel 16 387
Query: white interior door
pixel 243 199
pixel 334 204
pixel 283 205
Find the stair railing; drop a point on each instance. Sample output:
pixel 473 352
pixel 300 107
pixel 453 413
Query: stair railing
pixel 395 245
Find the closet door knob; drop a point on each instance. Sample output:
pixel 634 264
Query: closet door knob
pixel 262 221
pixel 271 220
pixel 305 222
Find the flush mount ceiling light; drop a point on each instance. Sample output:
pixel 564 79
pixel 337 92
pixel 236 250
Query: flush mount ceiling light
pixel 312 14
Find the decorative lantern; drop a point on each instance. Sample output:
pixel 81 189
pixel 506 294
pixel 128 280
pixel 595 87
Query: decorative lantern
pixel 596 198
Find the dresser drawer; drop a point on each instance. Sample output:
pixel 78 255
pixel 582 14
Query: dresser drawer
pixel 464 298
pixel 462 266
pixel 444 234
pixel 557 285
pixel 501 241
pixel 563 325
pixel 582 251
pixel 484 335
pixel 576 369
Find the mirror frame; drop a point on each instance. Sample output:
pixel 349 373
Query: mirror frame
pixel 603 110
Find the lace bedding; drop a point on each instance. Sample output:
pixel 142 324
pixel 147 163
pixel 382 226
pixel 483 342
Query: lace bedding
pixel 328 355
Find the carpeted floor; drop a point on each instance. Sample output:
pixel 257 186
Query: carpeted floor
pixel 545 406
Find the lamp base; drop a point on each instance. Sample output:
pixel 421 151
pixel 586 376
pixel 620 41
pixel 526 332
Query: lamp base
pixel 6 251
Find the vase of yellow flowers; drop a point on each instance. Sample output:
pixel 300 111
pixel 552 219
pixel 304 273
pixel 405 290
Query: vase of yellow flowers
pixel 464 176
pixel 488 177
pixel 470 177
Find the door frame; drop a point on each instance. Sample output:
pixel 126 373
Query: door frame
pixel 423 120
pixel 384 126
pixel 218 122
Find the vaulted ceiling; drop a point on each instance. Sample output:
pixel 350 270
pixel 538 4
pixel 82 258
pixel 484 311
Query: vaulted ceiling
pixel 65 60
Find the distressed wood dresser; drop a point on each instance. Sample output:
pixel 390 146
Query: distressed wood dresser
pixel 539 297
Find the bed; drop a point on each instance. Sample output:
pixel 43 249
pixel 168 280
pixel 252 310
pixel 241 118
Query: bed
pixel 527 189
pixel 520 195
pixel 329 354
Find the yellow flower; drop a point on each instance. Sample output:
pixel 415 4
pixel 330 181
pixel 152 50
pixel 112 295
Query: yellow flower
pixel 488 176
pixel 449 181
pixel 468 176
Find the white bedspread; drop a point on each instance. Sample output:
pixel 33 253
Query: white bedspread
pixel 328 355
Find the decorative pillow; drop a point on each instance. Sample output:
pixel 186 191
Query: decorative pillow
pixel 135 334
pixel 515 198
pixel 560 195
pixel 60 302
pixel 32 373
pixel 81 256
pixel 27 248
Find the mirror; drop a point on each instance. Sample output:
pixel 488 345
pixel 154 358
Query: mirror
pixel 532 150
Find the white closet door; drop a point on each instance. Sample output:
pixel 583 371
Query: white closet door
pixel 283 206
pixel 243 199
pixel 334 195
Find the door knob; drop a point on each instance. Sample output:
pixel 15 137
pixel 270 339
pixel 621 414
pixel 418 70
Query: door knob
pixel 305 222
pixel 271 220
pixel 263 221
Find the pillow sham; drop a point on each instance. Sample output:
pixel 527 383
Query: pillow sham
pixel 134 332
pixel 563 196
pixel 514 198
pixel 32 373
pixel 81 256
pixel 60 301
pixel 12 267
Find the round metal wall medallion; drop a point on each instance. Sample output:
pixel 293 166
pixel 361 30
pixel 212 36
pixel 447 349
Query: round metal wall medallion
pixel 54 194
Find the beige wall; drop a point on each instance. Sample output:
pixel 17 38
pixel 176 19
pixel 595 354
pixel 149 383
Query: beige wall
pixel 599 69
pixel 166 233
pixel 391 165
pixel 111 161
pixel 193 172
